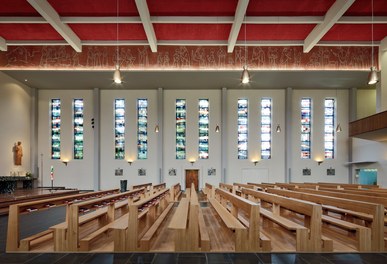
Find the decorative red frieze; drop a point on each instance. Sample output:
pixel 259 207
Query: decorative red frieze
pixel 186 58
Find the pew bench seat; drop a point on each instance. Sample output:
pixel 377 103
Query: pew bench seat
pixel 229 220
pixel 203 232
pixel 363 234
pixel 301 231
pixel 145 241
pixel 25 243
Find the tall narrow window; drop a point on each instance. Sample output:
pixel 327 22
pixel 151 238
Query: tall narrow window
pixel 55 128
pixel 204 122
pixel 242 128
pixel 329 128
pixel 266 128
pixel 306 127
pixel 180 128
pixel 78 128
pixel 119 116
pixel 142 128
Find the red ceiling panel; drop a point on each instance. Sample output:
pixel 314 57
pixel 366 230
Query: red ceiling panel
pixel 348 32
pixel 275 32
pixel 192 31
pixel 288 7
pixel 363 8
pixel 28 32
pixel 94 7
pixel 192 8
pixel 109 31
pixel 17 8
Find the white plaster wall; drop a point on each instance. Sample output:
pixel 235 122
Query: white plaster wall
pixel 373 151
pixel 366 103
pixel 108 162
pixel 318 172
pixel 192 136
pixel 15 111
pixel 78 173
pixel 276 164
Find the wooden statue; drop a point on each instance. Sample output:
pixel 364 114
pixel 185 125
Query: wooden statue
pixel 18 153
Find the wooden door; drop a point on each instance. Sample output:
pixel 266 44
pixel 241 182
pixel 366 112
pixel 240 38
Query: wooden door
pixel 192 176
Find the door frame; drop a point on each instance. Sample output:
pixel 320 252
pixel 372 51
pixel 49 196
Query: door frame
pixel 185 177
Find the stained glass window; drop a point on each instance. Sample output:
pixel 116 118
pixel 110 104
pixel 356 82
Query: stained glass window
pixel 306 127
pixel 265 128
pixel 180 128
pixel 242 128
pixel 55 128
pixel 204 121
pixel 78 128
pixel 119 116
pixel 329 128
pixel 142 131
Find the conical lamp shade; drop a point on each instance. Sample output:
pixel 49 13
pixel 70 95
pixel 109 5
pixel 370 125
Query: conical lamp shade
pixel 245 76
pixel 373 76
pixel 117 76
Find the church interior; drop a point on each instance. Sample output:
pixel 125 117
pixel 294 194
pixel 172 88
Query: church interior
pixel 225 131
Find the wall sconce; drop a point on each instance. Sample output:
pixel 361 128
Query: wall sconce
pixel 192 162
pixel 130 162
pixel 157 129
pixel 65 162
pixel 278 129
pixel 217 129
pixel 255 162
pixel 319 162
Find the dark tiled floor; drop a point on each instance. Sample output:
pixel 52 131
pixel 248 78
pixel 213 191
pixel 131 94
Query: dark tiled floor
pixel 195 258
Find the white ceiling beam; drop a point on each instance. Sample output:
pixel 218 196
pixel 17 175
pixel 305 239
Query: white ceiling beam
pixel 236 26
pixel 198 20
pixel 3 44
pixel 52 17
pixel 383 44
pixel 331 17
pixel 143 10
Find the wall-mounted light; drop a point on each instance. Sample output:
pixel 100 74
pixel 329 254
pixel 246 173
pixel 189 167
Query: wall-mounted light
pixel 278 128
pixel 217 129
pixel 130 162
pixel 192 161
pixel 157 129
pixel 65 162
pixel 338 128
pixel 255 162
pixel 319 162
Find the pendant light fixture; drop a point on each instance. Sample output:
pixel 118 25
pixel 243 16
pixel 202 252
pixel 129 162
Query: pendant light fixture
pixel 245 73
pixel 373 75
pixel 117 74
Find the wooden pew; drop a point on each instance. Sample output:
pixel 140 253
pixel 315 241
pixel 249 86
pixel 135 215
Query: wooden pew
pixel 191 233
pixel 209 190
pixel 13 232
pixel 143 221
pixel 175 191
pixel 104 206
pixel 228 187
pixel 238 187
pixel 248 237
pixel 308 237
pixel 261 186
pixel 146 186
pixel 158 187
pixel 376 210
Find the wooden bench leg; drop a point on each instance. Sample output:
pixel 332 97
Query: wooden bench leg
pixel 327 245
pixel 302 240
pixel 363 236
pixel 119 240
pixel 60 240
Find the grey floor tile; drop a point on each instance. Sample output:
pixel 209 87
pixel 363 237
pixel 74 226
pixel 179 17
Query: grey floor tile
pixel 244 258
pixel 218 258
pixel 169 258
pixel 142 258
pixel 8 258
pixel 47 258
pixel 74 258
